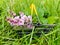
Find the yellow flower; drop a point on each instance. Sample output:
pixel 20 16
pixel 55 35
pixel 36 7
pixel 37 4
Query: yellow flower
pixel 33 8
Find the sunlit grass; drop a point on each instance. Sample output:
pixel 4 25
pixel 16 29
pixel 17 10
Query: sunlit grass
pixel 8 35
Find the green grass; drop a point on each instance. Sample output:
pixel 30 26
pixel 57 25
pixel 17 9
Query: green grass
pixel 8 35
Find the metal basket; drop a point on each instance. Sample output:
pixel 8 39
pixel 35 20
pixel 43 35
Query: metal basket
pixel 39 28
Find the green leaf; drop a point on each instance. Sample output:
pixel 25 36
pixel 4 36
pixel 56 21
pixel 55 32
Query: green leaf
pixel 44 21
pixel 52 19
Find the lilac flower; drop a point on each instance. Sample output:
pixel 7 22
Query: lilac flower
pixel 21 14
pixel 14 22
pixel 9 19
pixel 30 19
pixel 17 17
pixel 25 18
pixel 12 13
pixel 21 20
pixel 30 26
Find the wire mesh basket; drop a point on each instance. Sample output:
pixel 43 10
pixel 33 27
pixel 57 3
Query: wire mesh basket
pixel 39 28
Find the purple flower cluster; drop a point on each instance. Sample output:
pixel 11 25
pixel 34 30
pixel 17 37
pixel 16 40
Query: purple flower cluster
pixel 21 20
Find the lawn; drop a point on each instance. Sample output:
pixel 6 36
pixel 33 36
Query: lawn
pixel 43 12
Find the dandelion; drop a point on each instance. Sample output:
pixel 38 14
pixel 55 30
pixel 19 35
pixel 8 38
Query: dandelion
pixel 33 8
